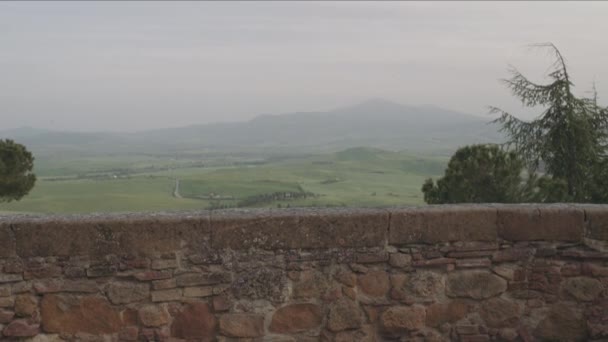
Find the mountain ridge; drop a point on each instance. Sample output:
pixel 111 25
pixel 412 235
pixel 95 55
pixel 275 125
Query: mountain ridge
pixel 375 122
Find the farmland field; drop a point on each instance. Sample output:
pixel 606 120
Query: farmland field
pixel 362 177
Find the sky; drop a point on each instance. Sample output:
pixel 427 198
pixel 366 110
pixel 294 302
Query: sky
pixel 127 66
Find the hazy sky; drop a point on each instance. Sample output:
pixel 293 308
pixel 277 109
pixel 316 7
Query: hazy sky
pixel 137 65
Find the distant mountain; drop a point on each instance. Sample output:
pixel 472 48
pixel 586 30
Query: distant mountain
pixel 375 123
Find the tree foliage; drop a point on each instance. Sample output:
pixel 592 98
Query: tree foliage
pixel 568 138
pixel 478 174
pixel 16 177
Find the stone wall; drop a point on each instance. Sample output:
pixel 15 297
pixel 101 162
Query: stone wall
pixel 445 273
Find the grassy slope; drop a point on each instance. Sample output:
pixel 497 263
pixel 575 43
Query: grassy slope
pixel 359 177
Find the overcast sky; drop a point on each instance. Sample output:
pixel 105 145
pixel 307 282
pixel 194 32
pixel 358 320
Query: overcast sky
pixel 138 65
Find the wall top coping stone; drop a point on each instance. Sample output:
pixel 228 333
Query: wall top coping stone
pixel 297 228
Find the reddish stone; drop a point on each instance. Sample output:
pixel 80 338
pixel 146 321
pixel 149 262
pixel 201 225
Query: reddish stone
pixel 467 329
pixel 475 284
pixel 402 319
pixel 400 260
pixel 68 314
pixel 371 258
pixel 311 284
pixel 562 324
pixel 296 318
pixel 470 254
pixel 164 284
pixel 6 316
pixel 513 254
pixel 374 283
pixel 442 224
pixel 129 333
pixel 475 338
pixel 48 286
pixel 221 303
pixel 136 263
pixel 594 270
pixel 153 316
pixel 25 305
pixel 166 295
pixel 527 223
pixel 194 279
pixel 438 314
pixel 344 314
pixel 585 254
pixel 242 325
pixel 583 288
pixel 195 321
pixel 152 275
pixel 347 278
pixel 7 302
pixel 473 263
pixel 21 328
pixel 164 264
pixel 42 271
pixel 500 313
pixel 571 270
pixel 5 291
pixel 13 266
pixel 124 293
pixel 433 262
pixel 10 278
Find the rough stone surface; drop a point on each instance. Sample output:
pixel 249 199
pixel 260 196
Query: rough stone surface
pixel 449 223
pixel 21 328
pixel 421 286
pixel 124 293
pixel 401 319
pixel 439 313
pixel 69 314
pixel 562 324
pixel 374 283
pixel 475 284
pixel 583 288
pixel 343 228
pixel 296 318
pixel 242 325
pixel 195 321
pixel 25 305
pixel 500 313
pixel 438 273
pixel 344 314
pixel 526 223
pixel 153 316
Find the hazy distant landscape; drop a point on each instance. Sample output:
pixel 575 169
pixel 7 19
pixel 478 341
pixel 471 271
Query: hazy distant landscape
pixel 376 153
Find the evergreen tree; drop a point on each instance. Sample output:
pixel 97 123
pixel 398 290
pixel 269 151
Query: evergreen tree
pixel 16 177
pixel 568 138
pixel 479 174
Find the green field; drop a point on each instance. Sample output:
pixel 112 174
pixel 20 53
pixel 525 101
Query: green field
pixel 363 177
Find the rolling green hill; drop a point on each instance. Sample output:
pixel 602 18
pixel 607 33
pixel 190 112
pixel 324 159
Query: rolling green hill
pixel 354 177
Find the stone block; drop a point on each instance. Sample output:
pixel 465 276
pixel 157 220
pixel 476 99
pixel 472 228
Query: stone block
pixel 70 314
pixel 21 328
pixel 550 223
pixel 153 316
pixel 272 230
pixel 597 222
pixel 242 325
pixel 443 224
pixel 475 284
pixel 398 320
pixel 124 293
pixel 195 322
pixel 166 295
pixel 296 318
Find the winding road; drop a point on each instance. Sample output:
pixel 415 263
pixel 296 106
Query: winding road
pixel 176 189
